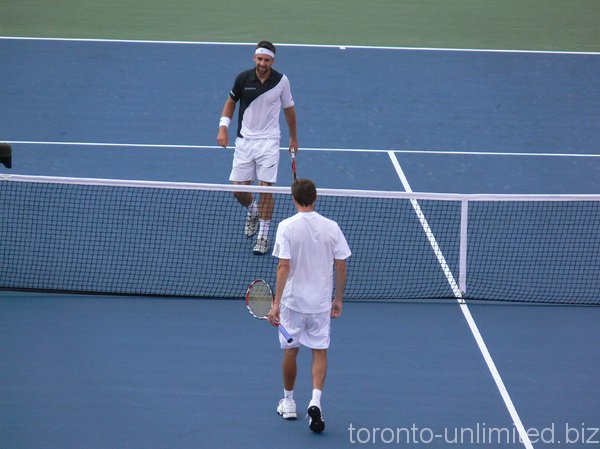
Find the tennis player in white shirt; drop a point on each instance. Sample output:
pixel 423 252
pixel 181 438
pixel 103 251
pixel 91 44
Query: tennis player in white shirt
pixel 308 246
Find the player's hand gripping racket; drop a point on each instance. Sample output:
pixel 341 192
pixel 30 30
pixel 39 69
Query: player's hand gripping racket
pixel 293 151
pixel 259 300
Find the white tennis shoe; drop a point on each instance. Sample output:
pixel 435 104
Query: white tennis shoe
pixel 251 226
pixel 261 248
pixel 287 409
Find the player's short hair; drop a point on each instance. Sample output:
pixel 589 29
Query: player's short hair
pixel 266 44
pixel 304 192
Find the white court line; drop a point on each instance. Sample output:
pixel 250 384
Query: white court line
pixel 338 46
pixel 343 150
pixel 524 437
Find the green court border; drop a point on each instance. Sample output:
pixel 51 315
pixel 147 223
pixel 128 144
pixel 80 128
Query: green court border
pixel 546 25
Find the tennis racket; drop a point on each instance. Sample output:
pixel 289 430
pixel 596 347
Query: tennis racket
pixel 259 300
pixel 294 163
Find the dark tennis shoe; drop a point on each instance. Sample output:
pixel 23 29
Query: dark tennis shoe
pixel 316 422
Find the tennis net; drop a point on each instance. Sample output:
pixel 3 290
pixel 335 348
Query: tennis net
pixel 183 239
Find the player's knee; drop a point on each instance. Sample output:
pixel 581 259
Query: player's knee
pixel 290 352
pixel 243 197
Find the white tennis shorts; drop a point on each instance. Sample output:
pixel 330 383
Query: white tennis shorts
pixel 308 329
pixel 255 159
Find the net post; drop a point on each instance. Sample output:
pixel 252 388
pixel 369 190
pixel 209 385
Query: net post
pixel 464 222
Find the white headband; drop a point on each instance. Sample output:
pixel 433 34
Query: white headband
pixel 264 51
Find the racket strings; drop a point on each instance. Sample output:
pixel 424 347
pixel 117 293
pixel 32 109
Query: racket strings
pixel 260 299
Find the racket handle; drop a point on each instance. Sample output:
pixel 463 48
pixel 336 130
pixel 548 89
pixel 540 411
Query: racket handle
pixel 287 336
pixel 294 163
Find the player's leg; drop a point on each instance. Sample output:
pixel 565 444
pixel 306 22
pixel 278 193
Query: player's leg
pixel 243 172
pixel 319 330
pixel 294 323
pixel 267 165
pixel 319 372
pixel 319 368
pixel 244 198
pixel 266 205
pixel 252 213
pixel 289 368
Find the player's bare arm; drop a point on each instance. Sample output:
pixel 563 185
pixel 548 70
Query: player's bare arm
pixel 223 135
pixel 290 118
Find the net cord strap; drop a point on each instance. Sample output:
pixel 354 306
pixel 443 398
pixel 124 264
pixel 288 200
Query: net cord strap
pixel 464 225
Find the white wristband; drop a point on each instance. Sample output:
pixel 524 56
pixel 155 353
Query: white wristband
pixel 225 121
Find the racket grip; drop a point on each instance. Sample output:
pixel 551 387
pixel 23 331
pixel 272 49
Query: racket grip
pixel 294 164
pixel 285 334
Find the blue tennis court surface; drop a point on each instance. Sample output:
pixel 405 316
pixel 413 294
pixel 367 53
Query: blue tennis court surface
pixel 423 101
pixel 118 372
pixel 103 372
